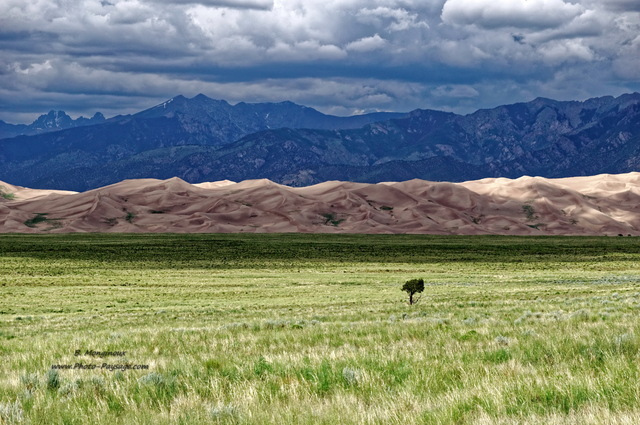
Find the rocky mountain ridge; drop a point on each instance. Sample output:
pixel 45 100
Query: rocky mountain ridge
pixel 543 137
pixel 51 121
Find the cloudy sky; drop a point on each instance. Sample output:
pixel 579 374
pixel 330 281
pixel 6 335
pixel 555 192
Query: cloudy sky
pixel 339 56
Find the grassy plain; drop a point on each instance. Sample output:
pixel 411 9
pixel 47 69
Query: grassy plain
pixel 314 329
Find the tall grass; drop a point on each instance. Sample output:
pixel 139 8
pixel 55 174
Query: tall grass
pixel 309 329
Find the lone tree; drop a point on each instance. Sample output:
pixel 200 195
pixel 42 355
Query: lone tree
pixel 412 287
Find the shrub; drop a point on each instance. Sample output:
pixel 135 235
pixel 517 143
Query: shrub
pixel 529 212
pixel 224 412
pixel 53 380
pixel 11 413
pixel 30 381
pixel 330 218
pixel 352 376
pixel 38 218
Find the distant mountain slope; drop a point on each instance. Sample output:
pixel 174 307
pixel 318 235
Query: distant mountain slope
pixel 177 122
pixel 598 205
pixel 11 130
pixel 181 121
pixel 201 163
pixel 215 122
pixel 543 137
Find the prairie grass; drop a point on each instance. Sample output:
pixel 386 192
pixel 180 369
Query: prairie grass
pixel 315 329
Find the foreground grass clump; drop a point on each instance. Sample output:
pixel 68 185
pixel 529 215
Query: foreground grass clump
pixel 313 329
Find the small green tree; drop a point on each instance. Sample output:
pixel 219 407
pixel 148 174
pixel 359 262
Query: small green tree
pixel 413 287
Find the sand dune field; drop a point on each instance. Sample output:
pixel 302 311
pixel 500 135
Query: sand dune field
pixel 594 205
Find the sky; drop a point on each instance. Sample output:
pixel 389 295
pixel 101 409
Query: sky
pixel 341 57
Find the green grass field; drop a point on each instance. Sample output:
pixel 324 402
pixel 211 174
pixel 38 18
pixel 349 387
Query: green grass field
pixel 314 329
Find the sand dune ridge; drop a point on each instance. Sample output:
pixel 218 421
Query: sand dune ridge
pixel 593 205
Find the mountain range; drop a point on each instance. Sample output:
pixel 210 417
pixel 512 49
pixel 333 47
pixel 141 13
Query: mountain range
pixel 202 139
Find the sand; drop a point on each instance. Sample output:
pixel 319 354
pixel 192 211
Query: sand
pixel 594 205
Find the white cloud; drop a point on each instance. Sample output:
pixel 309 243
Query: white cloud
pixel 392 19
pixel 559 51
pixel 233 4
pixel 32 69
pixel 367 44
pixel 591 23
pixel 510 13
pixel 627 65
pixel 304 51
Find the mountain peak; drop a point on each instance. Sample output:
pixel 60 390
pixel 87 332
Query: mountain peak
pixel 98 116
pixel 203 98
pixel 52 120
pixel 544 101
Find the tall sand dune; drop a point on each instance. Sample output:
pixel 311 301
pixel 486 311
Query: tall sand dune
pixel 594 205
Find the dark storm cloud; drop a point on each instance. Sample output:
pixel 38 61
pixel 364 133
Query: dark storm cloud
pixel 17 35
pixel 623 5
pixel 341 56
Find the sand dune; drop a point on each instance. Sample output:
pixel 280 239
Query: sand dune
pixel 595 205
pixel 23 193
